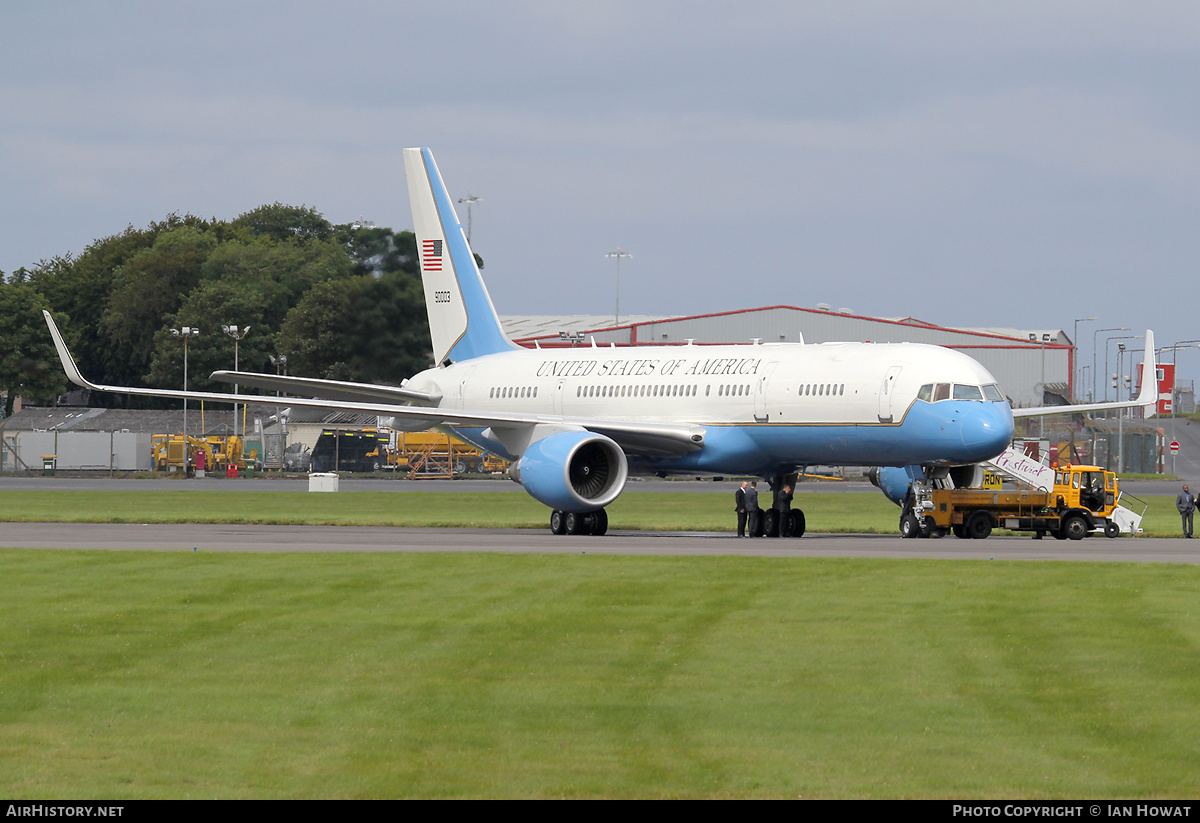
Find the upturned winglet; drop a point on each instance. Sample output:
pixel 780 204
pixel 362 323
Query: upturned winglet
pixel 64 354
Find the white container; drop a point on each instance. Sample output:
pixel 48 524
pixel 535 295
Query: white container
pixel 323 482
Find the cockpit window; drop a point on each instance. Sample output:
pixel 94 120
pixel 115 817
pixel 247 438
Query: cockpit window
pixel 926 392
pixel 964 392
pixel 992 392
pixel 941 392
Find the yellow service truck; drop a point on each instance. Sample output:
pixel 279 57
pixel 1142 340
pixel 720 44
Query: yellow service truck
pixel 1084 500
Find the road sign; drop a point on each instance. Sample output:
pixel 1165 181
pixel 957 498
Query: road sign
pixel 1174 446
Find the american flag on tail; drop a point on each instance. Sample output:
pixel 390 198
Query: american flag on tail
pixel 431 255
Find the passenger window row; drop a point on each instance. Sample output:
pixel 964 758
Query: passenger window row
pixel 657 390
pixel 504 392
pixel 822 389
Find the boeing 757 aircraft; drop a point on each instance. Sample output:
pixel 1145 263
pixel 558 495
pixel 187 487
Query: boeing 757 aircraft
pixel 577 422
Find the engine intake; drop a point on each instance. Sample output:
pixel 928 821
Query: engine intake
pixel 574 471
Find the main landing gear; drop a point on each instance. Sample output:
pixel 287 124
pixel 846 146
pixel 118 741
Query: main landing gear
pixel 574 523
pixel 769 520
pixel 768 524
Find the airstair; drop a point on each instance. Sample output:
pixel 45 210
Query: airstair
pixel 1014 463
pixel 1020 466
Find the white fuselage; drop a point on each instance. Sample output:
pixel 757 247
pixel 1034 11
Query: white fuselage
pixel 799 393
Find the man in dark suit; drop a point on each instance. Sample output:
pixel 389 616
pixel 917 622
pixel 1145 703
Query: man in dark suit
pixel 1187 507
pixel 783 505
pixel 739 502
pixel 752 508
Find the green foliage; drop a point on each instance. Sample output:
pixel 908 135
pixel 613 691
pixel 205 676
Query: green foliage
pixel 282 223
pixel 28 362
pixel 377 251
pixel 148 287
pixel 391 330
pixel 349 297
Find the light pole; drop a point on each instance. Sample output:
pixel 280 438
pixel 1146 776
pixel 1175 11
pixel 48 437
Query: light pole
pixel 237 336
pixel 470 200
pixel 1033 338
pixel 1108 340
pixel 618 254
pixel 1075 343
pixel 185 333
pixel 1174 381
pixel 1095 372
pixel 280 364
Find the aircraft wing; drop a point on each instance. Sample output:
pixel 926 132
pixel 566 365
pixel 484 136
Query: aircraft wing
pixel 634 436
pixel 330 389
pixel 1147 397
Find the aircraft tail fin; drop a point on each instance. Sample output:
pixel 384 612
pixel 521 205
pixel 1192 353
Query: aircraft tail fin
pixel 462 320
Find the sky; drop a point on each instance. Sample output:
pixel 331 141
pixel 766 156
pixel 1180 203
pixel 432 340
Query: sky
pixel 1019 164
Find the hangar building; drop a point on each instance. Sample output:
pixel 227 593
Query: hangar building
pixel 1034 367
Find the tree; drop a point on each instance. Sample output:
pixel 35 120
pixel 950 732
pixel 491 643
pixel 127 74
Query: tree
pixel 281 223
pixel 29 365
pixel 208 307
pixel 377 251
pixel 150 286
pixel 370 329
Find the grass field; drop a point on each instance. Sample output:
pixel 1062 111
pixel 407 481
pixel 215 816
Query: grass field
pixel 130 674
pixel 689 511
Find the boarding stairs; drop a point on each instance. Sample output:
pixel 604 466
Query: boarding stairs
pixel 1014 463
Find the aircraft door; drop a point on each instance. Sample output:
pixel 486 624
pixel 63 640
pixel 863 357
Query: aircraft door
pixel 761 415
pixel 558 396
pixel 886 390
pixel 462 388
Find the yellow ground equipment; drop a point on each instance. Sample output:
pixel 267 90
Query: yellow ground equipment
pixel 432 453
pixel 1084 499
pixel 166 452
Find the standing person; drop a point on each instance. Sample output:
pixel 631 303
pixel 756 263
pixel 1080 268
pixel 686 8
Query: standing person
pixel 1187 506
pixel 783 505
pixel 752 508
pixel 739 503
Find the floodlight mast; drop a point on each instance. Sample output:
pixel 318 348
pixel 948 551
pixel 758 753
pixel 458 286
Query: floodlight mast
pixel 618 254
pixel 469 200
pixel 185 332
pixel 237 335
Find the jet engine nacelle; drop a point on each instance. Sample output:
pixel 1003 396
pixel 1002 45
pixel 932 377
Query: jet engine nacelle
pixel 573 471
pixel 893 481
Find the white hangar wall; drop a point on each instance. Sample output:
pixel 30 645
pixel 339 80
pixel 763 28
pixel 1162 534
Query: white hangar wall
pixel 1017 363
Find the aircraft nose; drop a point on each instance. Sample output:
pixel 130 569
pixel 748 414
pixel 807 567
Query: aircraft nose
pixel 987 429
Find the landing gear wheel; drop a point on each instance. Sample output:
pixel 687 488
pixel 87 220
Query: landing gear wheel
pixel 979 525
pixel 1111 529
pixel 1075 527
pixel 599 522
pixel 576 523
pixel 929 527
pixel 770 521
pixel 558 522
pixel 909 527
pixel 798 523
